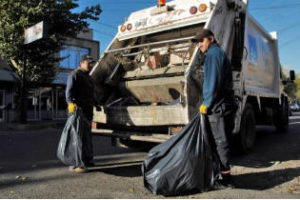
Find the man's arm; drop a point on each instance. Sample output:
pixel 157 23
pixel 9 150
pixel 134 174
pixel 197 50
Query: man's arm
pixel 212 68
pixel 71 88
pixel 71 93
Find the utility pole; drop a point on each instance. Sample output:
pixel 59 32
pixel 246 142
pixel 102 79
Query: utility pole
pixel 23 114
pixel 31 34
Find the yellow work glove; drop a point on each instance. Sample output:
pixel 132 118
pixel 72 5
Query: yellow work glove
pixel 71 107
pixel 203 109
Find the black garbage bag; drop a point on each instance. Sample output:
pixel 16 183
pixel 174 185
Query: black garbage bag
pixel 70 149
pixel 185 163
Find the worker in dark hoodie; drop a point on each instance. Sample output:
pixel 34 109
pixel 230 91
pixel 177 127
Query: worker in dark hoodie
pixel 80 94
pixel 218 102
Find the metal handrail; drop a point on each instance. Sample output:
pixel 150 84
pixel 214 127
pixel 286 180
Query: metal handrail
pixel 149 44
pixel 156 50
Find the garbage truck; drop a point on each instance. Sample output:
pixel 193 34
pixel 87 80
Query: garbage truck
pixel 149 86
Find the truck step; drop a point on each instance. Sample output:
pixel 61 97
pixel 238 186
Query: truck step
pixel 137 136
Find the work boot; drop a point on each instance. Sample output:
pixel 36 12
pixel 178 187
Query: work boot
pixel 225 182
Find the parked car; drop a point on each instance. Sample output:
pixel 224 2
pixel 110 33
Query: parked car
pixel 295 107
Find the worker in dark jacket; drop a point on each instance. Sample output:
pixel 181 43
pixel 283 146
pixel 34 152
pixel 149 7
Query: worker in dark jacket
pixel 218 103
pixel 80 94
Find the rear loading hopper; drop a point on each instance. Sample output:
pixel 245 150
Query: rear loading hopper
pixel 149 80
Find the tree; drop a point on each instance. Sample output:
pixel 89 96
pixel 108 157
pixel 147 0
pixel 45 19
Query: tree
pixel 17 15
pixel 297 82
pixel 292 88
pixel 289 87
pixel 39 56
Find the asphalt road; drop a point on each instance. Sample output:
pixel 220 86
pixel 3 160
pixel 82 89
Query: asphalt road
pixel 29 168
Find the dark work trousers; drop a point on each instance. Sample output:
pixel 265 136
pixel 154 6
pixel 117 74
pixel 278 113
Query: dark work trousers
pixel 220 129
pixel 87 143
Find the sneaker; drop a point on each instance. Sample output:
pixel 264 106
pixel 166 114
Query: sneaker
pixel 80 170
pixel 219 186
pixel 71 168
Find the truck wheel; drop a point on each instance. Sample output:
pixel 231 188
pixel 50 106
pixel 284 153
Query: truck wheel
pixel 247 135
pixel 281 121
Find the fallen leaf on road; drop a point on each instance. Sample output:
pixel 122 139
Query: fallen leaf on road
pixel 11 192
pixel 291 189
pixel 24 178
pixel 18 177
pixel 131 190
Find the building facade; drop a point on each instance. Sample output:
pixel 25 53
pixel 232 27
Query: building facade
pixel 46 102
pixel 7 92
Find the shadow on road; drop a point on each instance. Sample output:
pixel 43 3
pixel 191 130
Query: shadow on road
pixel 126 165
pixel 271 148
pixel 124 171
pixel 265 180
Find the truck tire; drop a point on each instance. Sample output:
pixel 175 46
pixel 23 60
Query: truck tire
pixel 246 137
pixel 281 120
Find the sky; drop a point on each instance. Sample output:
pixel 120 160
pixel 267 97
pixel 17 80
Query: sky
pixel 282 16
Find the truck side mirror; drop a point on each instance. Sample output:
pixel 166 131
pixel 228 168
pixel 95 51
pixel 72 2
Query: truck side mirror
pixel 292 75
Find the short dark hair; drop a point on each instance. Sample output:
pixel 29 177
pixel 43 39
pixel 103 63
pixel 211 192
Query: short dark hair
pixel 203 33
pixel 86 58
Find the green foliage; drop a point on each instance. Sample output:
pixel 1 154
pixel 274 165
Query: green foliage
pixel 291 89
pixel 18 15
pixel 297 83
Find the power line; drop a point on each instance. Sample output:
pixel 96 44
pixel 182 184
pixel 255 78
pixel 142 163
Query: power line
pixel 289 41
pixel 119 10
pixel 269 17
pixel 289 27
pixel 130 1
pixel 127 2
pixel 103 33
pixel 277 7
pixel 107 25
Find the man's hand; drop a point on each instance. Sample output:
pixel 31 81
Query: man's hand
pixel 203 109
pixel 72 107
